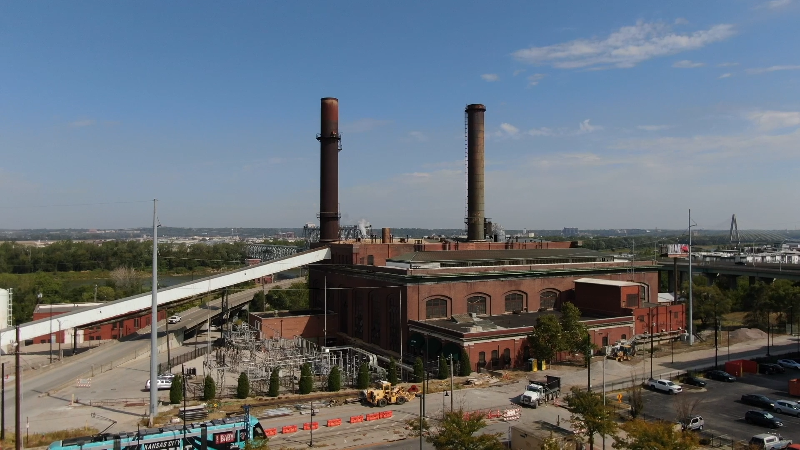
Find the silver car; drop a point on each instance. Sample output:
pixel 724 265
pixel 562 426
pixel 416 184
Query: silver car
pixel 787 407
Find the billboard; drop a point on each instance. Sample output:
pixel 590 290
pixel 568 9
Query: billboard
pixel 675 250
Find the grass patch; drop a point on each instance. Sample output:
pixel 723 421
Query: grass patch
pixel 44 439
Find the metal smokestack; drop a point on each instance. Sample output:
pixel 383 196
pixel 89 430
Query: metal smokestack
pixel 475 158
pixel 329 147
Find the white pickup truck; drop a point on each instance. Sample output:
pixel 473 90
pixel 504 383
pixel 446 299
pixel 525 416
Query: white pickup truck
pixel 768 441
pixel 665 386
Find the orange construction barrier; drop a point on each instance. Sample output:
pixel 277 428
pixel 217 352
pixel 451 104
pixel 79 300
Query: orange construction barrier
pixel 356 419
pixel 384 414
pixel 311 425
pixel 271 432
pixel 373 416
pixel 388 415
pixel 289 429
pixel 334 422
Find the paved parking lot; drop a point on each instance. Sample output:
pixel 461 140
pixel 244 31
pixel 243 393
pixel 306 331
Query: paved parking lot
pixel 722 409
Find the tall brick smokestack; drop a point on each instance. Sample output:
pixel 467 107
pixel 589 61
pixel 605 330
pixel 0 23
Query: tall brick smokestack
pixel 475 159
pixel 329 147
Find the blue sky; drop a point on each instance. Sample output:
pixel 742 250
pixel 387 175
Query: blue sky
pixel 599 114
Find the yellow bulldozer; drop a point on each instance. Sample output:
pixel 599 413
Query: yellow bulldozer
pixel 386 394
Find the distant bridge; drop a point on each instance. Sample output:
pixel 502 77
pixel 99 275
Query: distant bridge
pixel 266 252
pixel 766 272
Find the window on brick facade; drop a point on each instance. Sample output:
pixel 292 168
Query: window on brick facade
pixel 675 315
pixel 370 260
pixel 605 341
pixel 495 358
pixel 642 295
pixel 547 299
pixel 507 356
pixel 624 336
pixel 640 318
pixel 436 308
pixel 476 304
pixel 482 359
pixel 514 302
pixel 631 301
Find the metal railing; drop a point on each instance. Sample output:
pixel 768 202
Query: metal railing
pixel 180 359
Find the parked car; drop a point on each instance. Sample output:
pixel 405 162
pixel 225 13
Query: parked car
pixel 763 418
pixel 665 386
pixel 789 364
pixel 787 407
pixel 694 381
pixel 761 401
pixel 695 423
pixel 174 319
pixel 161 383
pixel 767 441
pixel 770 369
pixel 720 375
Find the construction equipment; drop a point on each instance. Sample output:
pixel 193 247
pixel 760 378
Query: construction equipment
pixel 621 351
pixel 386 394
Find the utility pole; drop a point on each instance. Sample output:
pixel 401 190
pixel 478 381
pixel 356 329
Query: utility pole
pixel 18 398
pixel 452 393
pixel 154 325
pixel 588 362
pixel 690 326
pixel 3 405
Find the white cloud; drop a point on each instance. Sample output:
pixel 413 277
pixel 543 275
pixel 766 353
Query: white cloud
pixel 543 131
pixel 586 127
pixel 653 127
pixel 774 4
pixel 623 48
pixel 728 64
pixel 83 123
pixel 714 147
pixel 418 135
pixel 518 71
pixel 771 120
pixel 534 79
pixel 772 69
pixel 681 21
pixel 725 75
pixel 490 77
pixel 509 129
pixel 686 64
pixel 364 125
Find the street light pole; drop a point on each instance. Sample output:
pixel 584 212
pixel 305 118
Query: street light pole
pixel 652 325
pixel 768 326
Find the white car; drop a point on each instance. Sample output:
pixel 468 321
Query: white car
pixel 665 386
pixel 174 319
pixel 787 407
pixel 161 383
pixel 789 364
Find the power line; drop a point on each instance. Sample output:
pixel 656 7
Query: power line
pixel 75 204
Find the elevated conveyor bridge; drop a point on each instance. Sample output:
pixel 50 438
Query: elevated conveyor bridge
pixel 137 303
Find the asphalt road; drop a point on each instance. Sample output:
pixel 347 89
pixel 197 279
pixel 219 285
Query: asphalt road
pixel 722 409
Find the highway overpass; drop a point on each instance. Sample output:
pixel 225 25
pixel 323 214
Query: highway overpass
pixel 142 302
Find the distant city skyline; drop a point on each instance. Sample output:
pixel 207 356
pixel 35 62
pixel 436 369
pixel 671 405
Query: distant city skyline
pixel 599 116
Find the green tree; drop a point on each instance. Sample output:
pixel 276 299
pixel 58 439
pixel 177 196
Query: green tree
pixel 274 383
pixel 457 431
pixel 709 302
pixel 573 332
pixel 550 443
pixel 589 415
pixel 334 379
pixel 296 296
pixel 209 388
pixel 243 386
pixel 465 367
pixel 259 302
pixel 363 376
pixel 636 397
pixel 306 384
pixel 444 369
pixel 419 370
pixel 392 376
pixel 545 341
pixel 641 435
pixel 176 390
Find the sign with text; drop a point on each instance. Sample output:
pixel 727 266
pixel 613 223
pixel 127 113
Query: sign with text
pixel 227 437
pixel 675 250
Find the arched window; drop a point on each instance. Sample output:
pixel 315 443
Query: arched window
pixel 624 336
pixel 481 359
pixel 507 356
pixel 436 308
pixel 547 299
pixel 514 302
pixel 476 304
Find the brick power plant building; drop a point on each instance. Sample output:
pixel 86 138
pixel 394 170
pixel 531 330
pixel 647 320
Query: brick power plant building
pixel 398 296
